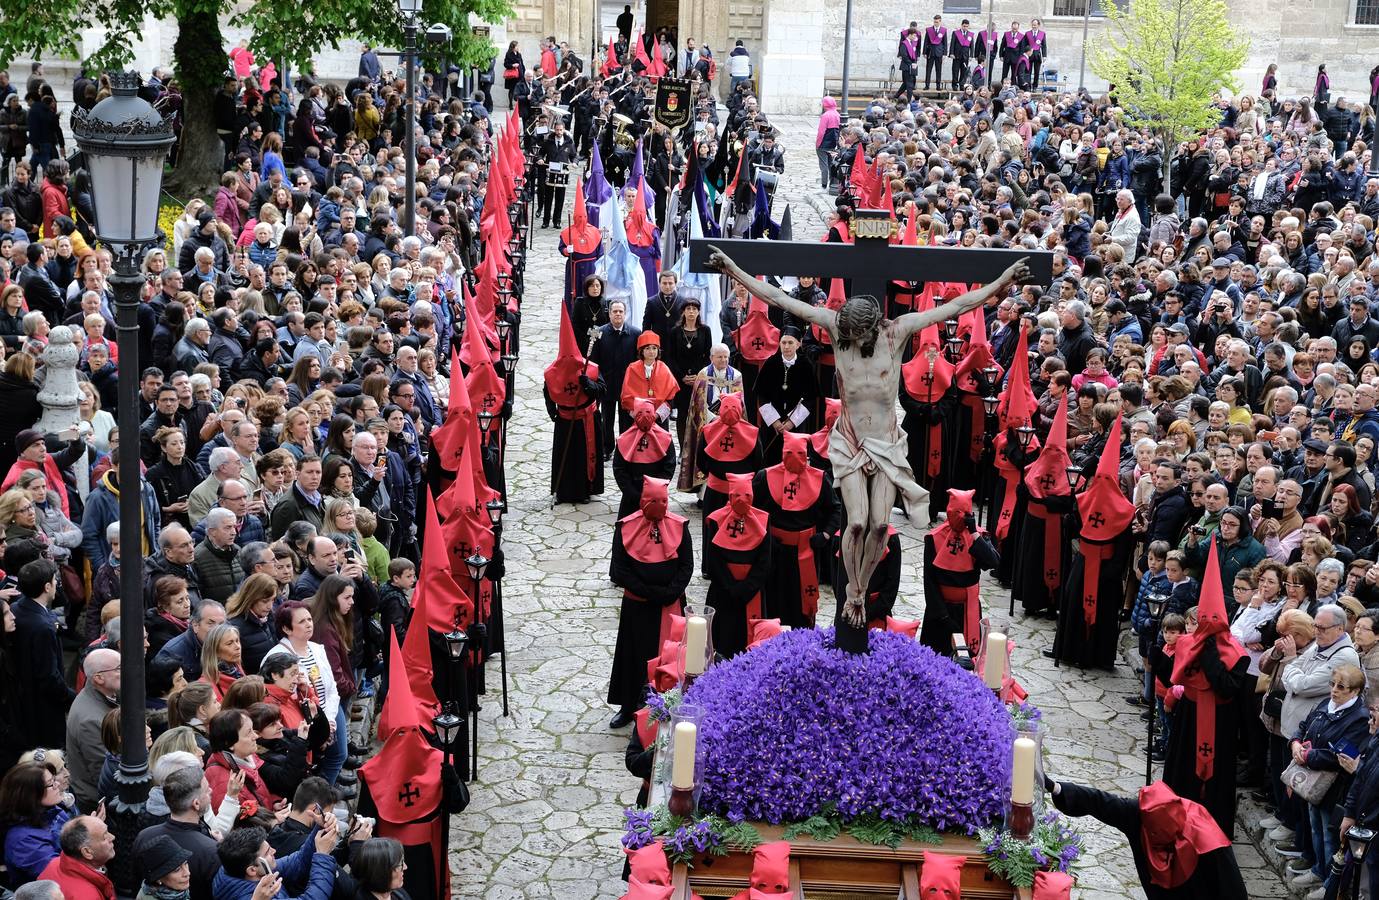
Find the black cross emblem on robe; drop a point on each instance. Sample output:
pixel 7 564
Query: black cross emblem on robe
pixel 955 544
pixel 792 489
pixel 571 389
pixel 463 549
pixel 736 528
pixel 655 534
pixel 726 443
pixel 490 399
pixel 928 378
pixel 1204 748
pixel 408 794
pixel 1046 482
pixel 642 444
pixel 1096 520
pixel 811 591
pixel 1051 573
pixel 758 343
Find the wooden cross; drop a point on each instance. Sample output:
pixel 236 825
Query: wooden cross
pixel 871 262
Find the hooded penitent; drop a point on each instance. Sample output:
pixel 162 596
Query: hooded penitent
pixel 562 384
pixel 795 486
pixel 1015 410
pixel 1047 477
pixel 1106 513
pixel 645 441
pixel 927 377
pixel 1175 832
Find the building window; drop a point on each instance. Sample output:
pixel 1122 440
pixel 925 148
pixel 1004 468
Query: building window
pixel 1367 12
pixel 1078 8
pixel 968 6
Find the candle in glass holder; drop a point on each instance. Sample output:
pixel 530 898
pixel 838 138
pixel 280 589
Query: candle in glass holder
pixel 1022 772
pixel 696 644
pixel 682 763
pixel 995 672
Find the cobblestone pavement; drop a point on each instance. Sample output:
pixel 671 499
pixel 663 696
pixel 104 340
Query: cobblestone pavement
pixel 547 808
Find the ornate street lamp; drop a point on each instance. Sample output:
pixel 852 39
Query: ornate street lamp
pixel 410 10
pixel 125 143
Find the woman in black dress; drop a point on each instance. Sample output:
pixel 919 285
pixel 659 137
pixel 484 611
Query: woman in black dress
pixel 687 354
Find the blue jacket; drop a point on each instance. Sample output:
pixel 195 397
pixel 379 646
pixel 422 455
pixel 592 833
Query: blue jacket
pixel 1149 584
pixel 317 870
pixel 29 849
pixel 103 507
pixel 186 649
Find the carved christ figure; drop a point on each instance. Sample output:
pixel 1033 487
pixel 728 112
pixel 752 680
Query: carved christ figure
pixel 867 448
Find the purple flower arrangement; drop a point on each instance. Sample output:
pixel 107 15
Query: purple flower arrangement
pixel 797 728
pixel 1053 845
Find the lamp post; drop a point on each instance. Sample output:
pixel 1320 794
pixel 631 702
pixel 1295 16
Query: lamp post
pixel 125 142
pixel 447 726
pixel 456 643
pixel 1158 604
pixel 477 564
pixel 1082 65
pixel 410 10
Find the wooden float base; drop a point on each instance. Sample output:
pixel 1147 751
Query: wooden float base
pixel 844 869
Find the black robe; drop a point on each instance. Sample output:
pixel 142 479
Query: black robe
pixel 629 477
pixel 1097 648
pixel 1019 513
pixel 714 499
pixel 420 877
pixel 784 393
pixel 782 594
pixel 729 595
pixel 919 417
pixel 570 480
pixel 639 621
pixel 1217 876
pixel 942 620
pixel 1028 585
pixel 1180 773
pixel 960 470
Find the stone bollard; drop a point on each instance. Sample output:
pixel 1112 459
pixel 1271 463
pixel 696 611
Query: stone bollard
pixel 59 394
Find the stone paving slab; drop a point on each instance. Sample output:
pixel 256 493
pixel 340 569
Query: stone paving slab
pixel 546 814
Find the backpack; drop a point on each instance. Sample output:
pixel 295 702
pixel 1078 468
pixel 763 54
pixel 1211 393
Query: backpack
pixel 713 69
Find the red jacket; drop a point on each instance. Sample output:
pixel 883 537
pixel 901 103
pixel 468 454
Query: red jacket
pixel 78 880
pixel 219 767
pixel 54 204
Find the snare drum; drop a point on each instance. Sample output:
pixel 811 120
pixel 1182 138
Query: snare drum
pixel 770 178
pixel 557 176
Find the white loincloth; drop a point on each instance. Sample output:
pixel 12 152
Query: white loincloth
pixel 848 454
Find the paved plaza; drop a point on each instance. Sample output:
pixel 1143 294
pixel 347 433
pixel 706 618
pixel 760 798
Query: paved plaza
pixel 547 806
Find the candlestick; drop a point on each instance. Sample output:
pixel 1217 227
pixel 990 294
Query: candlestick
pixel 995 671
pixel 1021 822
pixel 696 644
pixel 682 764
pixel 1021 775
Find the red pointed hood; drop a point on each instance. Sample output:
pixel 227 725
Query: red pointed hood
pixel 757 339
pixel 1017 400
pixel 400 706
pixel 738 525
pixel 1047 476
pixel 833 408
pixel 644 442
pixel 910 238
pixel 959 508
pixel 404 778
pixel 562 375
pixel 610 60
pixel 416 659
pixel 1106 512
pixel 640 231
pixel 448 441
pixel 1175 832
pixel 729 438
pixel 1213 626
pixel 580 235
pixel 978 355
pixel 447 605
pixel 652 534
pixel 928 374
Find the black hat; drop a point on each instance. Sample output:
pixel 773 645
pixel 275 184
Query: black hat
pixel 160 856
pixel 1115 306
pixel 1314 445
pixel 26 439
pixel 791 331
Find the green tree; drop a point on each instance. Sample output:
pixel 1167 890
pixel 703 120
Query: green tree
pixel 1167 60
pixel 291 31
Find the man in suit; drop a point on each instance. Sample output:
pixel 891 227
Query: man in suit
pixel 614 351
pixel 935 46
pixel 41 708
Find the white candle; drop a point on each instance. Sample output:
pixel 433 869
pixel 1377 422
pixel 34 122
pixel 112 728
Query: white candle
pixel 1021 774
pixel 696 644
pixel 682 766
pixel 995 672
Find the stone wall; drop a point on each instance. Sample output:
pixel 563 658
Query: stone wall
pixel 1296 34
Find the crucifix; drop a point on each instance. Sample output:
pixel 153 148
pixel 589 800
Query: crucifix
pixel 867 448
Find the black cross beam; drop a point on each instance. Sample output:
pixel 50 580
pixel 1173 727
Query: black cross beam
pixel 871 262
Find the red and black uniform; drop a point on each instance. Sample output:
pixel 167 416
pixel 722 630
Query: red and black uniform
pixel 729 447
pixel 573 390
pixel 963 461
pixel 1180 852
pixel 1009 500
pixel 738 561
pixel 756 341
pixel 1042 555
pixel 928 399
pixel 955 553
pixel 1213 669
pixel 1088 623
pixel 643 451
pixel 653 559
pixel 799 500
